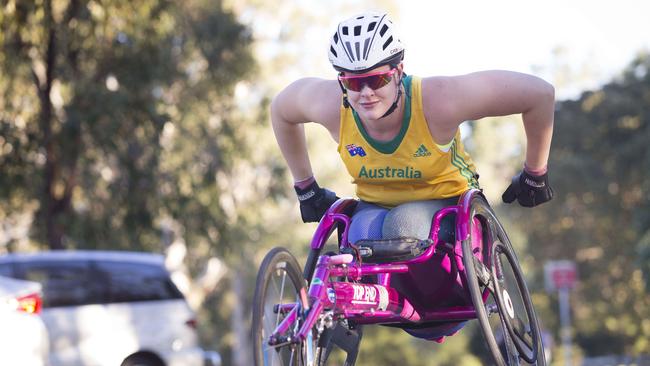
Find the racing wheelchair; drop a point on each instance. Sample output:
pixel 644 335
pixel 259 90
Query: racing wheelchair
pixel 465 270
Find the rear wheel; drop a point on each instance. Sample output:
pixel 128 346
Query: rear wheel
pixel 279 281
pixel 499 292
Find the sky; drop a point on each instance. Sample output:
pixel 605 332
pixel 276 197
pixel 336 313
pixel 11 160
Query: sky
pixel 576 45
pixel 592 41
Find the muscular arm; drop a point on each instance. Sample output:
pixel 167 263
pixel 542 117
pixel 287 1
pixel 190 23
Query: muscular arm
pixel 305 100
pixel 499 93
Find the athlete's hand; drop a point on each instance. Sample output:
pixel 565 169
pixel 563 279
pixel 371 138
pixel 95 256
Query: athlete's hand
pixel 529 190
pixel 314 201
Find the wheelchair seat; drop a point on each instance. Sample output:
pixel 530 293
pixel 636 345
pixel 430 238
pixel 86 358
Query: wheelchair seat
pixel 388 250
pixel 381 251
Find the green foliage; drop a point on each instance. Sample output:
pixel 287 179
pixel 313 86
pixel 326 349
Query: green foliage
pixel 600 214
pixel 392 346
pixel 118 116
pixel 119 129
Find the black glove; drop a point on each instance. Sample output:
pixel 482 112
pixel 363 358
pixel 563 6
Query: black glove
pixel 314 201
pixel 530 190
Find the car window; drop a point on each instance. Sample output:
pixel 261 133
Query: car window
pixel 129 282
pixel 6 269
pixel 65 283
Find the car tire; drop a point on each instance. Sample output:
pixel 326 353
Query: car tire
pixel 142 360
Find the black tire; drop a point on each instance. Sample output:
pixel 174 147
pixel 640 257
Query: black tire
pixel 142 360
pixel 513 336
pixel 310 264
pixel 279 280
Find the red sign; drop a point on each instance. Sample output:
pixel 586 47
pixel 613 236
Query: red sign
pixel 560 275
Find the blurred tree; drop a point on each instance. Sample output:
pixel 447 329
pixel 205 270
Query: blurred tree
pixel 280 34
pixel 118 115
pixel 122 127
pixel 600 215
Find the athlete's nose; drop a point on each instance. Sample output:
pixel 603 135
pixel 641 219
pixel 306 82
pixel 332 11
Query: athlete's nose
pixel 366 90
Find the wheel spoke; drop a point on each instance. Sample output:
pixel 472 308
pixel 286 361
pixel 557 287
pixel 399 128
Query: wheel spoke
pixel 512 295
pixel 522 333
pixel 284 277
pixel 293 349
pixel 482 272
pixel 498 268
pixel 491 308
pixel 511 349
pixel 272 353
pixel 502 291
pixel 279 282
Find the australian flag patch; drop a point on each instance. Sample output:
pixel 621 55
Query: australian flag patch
pixel 355 150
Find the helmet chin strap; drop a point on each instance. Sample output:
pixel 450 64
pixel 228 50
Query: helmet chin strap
pixel 346 103
pixel 394 105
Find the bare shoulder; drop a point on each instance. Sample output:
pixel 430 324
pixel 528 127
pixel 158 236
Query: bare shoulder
pixel 483 93
pixel 439 96
pixel 310 100
pixel 437 88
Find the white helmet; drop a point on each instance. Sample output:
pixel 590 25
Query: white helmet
pixel 364 42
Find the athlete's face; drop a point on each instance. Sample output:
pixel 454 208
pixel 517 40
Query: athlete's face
pixel 371 103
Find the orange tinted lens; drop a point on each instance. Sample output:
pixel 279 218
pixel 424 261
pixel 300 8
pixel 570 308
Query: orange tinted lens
pixel 356 83
pixel 378 81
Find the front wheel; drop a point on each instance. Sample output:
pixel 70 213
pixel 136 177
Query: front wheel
pixel 499 292
pixel 279 281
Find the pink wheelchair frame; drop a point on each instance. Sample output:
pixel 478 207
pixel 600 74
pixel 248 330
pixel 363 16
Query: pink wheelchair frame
pixel 338 288
pixel 355 301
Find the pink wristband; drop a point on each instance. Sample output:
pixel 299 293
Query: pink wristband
pixel 302 184
pixel 536 172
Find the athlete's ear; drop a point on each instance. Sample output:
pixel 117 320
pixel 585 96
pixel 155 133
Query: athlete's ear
pixel 400 71
pixel 400 74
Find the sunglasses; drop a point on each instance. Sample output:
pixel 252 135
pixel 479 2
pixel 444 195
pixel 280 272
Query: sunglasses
pixel 374 81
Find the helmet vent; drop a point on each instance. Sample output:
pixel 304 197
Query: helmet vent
pixel 365 48
pixel 388 42
pixel 347 45
pixel 382 31
pixel 364 42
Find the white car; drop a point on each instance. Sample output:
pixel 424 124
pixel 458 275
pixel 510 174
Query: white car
pixel 106 308
pixel 23 338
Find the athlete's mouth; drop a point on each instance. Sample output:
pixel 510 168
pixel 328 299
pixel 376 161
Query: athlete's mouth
pixel 369 105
